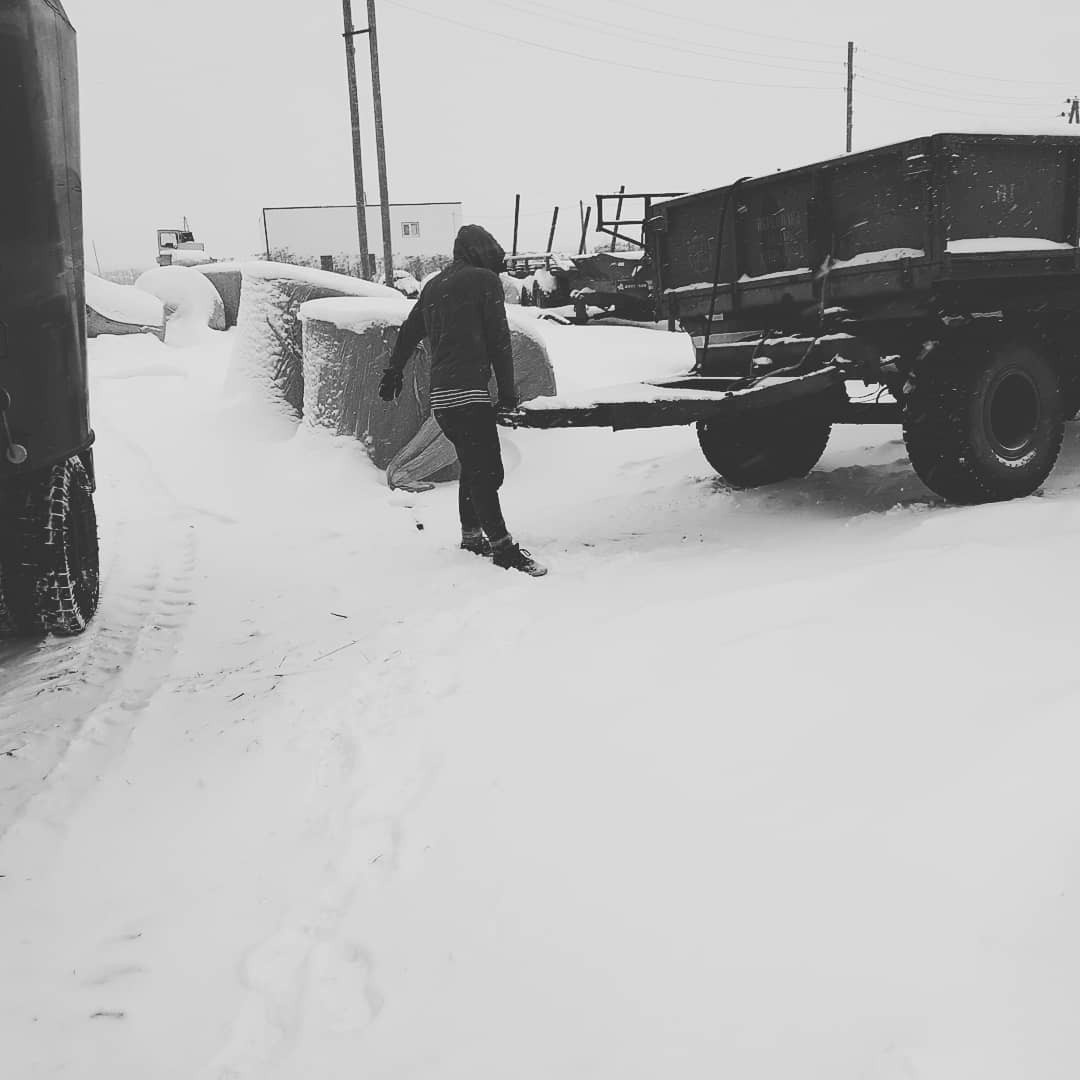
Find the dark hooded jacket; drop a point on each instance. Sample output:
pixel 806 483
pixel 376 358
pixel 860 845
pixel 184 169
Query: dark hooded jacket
pixel 462 313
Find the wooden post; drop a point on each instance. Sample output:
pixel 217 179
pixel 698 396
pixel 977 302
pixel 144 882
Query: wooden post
pixel 618 215
pixel 517 217
pixel 358 166
pixel 850 91
pixel 551 235
pixel 584 229
pixel 380 148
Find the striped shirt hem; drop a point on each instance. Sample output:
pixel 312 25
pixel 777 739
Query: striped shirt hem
pixel 456 399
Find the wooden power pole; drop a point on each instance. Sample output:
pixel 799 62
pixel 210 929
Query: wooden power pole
pixel 850 91
pixel 354 108
pixel 380 148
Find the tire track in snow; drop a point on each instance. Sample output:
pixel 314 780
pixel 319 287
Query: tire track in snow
pixel 71 704
pixel 67 706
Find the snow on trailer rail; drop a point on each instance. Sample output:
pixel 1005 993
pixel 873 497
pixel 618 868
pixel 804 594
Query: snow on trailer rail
pixel 672 402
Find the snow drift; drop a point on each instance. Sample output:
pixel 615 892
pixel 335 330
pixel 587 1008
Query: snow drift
pixel 191 303
pixel 121 309
pixel 269 345
pixel 347 345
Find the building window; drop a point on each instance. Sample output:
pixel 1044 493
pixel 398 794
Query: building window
pixel 410 228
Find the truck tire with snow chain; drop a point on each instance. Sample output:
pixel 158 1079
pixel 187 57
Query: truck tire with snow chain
pixel 985 424
pixel 49 551
pixel 759 448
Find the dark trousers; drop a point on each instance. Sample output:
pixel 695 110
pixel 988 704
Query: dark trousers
pixel 472 430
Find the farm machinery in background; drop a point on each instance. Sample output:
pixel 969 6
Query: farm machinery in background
pixel 612 283
pixel 177 247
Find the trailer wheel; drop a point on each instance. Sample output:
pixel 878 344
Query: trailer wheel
pixel 50 553
pixel 985 426
pixel 755 449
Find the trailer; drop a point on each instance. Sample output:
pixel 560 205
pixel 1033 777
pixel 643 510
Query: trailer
pixel 48 529
pixel 943 270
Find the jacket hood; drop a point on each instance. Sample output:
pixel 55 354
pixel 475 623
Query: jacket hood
pixel 477 247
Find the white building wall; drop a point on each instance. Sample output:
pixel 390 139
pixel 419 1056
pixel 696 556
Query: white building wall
pixel 312 231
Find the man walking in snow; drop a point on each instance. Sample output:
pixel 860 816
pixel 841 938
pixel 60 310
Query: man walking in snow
pixel 462 313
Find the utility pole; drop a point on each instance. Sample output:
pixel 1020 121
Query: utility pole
pixel 850 91
pixel 1074 110
pixel 380 147
pixel 354 108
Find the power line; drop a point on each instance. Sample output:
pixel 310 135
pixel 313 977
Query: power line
pixel 942 91
pixel 600 59
pixel 962 74
pixel 669 14
pixel 947 109
pixel 650 37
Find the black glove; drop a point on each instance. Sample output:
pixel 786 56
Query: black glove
pixel 391 384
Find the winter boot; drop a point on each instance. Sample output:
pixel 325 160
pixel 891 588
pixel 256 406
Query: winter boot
pixel 511 557
pixel 476 542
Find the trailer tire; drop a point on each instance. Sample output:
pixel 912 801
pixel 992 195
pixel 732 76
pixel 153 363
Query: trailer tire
pixel 755 449
pixel 50 553
pixel 986 424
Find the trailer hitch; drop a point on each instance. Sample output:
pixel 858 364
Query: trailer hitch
pixel 14 452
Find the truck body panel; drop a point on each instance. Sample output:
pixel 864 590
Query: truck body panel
pixel 42 302
pixel 886 231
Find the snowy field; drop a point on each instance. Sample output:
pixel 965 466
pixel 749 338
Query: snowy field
pixel 772 785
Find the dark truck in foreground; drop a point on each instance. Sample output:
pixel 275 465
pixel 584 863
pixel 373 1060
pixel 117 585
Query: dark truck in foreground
pixel 943 270
pixel 48 531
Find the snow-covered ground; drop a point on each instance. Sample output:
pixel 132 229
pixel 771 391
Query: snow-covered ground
pixel 763 785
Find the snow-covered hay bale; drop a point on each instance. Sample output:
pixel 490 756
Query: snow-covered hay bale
pixel 191 303
pixel 511 289
pixel 533 374
pixel 347 345
pixel 121 309
pixel 269 345
pixel 227 278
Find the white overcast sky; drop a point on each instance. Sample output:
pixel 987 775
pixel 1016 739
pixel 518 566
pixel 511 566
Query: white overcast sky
pixel 215 108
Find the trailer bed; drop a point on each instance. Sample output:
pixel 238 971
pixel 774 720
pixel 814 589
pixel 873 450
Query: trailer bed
pixel 946 221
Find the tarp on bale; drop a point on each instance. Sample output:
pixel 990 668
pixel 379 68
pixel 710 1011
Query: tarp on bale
pixel 121 309
pixel 347 346
pixel 226 277
pixel 269 341
pixel 427 459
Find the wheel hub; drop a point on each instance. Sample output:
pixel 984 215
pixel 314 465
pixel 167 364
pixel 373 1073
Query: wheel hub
pixel 1013 414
